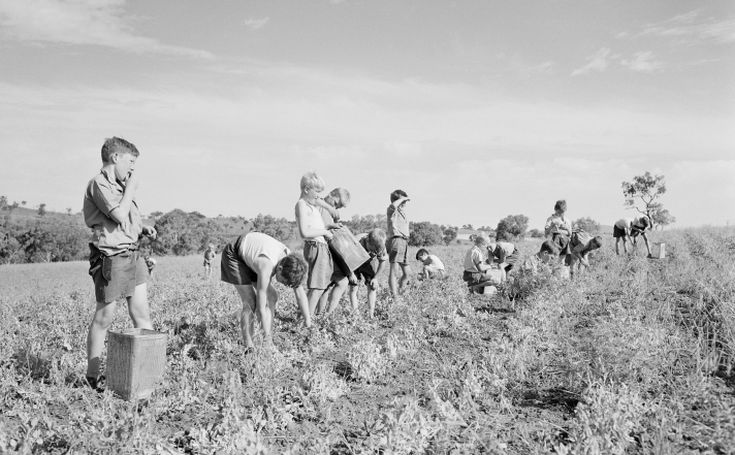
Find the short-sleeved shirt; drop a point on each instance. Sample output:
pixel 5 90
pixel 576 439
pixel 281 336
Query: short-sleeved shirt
pixel 397 222
pixel 256 244
pixel 505 249
pixel 103 195
pixel 473 256
pixel 312 216
pixel 557 224
pixel 434 263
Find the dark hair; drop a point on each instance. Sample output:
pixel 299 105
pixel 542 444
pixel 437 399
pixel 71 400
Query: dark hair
pixel 397 194
pixel 595 243
pixel 645 221
pixel 421 252
pixel 561 205
pixel 292 269
pixel 549 247
pixel 115 144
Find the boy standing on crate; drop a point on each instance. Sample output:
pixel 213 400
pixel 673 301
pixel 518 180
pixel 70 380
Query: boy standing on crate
pixel 116 266
pixel 315 234
pixel 397 243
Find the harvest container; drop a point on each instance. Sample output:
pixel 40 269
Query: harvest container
pixel 659 250
pixel 136 361
pixel 349 254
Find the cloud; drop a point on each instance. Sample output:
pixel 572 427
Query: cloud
pixel 599 62
pixel 643 62
pixel 81 22
pixel 692 28
pixel 254 23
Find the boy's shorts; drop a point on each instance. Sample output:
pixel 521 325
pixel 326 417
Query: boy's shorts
pixel 116 276
pixel 618 233
pixel 233 269
pixel 319 258
pixel 474 278
pixel 397 248
pixel 368 270
pixel 561 241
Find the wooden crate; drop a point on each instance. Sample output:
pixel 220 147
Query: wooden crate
pixel 136 361
pixel 659 250
pixel 348 253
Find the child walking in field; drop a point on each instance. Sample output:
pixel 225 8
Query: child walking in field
pixel 209 255
pixel 315 234
pixel 629 229
pixel 397 243
pixel 117 268
pixel 477 269
pixel 251 264
pixel 432 266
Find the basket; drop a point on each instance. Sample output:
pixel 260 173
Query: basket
pixel 659 250
pixel 136 361
pixel 348 253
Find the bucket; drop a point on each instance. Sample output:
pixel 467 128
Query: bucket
pixel 348 254
pixel 659 250
pixel 489 290
pixel 136 361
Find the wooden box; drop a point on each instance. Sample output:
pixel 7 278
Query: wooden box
pixel 659 251
pixel 136 361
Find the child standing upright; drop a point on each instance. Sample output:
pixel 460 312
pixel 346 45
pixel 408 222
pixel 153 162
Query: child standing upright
pixel 397 243
pixel 559 229
pixel 315 234
pixel 209 256
pixel 116 265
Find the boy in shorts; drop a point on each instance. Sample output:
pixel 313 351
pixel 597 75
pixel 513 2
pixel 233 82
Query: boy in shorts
pixel 209 256
pixel 559 229
pixel 582 244
pixel 630 228
pixel 329 207
pixel 477 267
pixel 117 268
pixel 397 243
pixel 503 253
pixel 374 244
pixel 315 234
pixel 432 266
pixel 250 264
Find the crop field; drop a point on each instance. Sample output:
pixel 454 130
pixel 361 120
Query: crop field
pixel 634 356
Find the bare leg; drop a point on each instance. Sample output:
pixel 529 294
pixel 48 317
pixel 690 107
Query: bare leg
pixel 406 269
pixel 247 317
pixel 336 295
pixel 138 308
pixel 266 314
pixel 372 296
pixel 392 278
pixel 353 298
pixel 617 243
pixel 313 295
pixel 322 305
pixel 103 317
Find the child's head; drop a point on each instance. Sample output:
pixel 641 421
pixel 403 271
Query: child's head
pixel 117 145
pixel 291 270
pixel 548 250
pixel 481 239
pixel 375 240
pixel 645 222
pixel 397 194
pixel 560 206
pixel 339 198
pixel 312 182
pixel 422 254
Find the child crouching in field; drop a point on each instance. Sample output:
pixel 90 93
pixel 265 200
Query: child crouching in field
pixel 505 254
pixel 433 267
pixel 250 264
pixel 582 244
pixel 477 270
pixel 315 234
pixel 374 244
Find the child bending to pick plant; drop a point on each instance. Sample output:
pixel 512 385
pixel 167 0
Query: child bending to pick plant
pixel 582 244
pixel 116 265
pixel 477 267
pixel 250 264
pixel 433 267
pixel 627 228
pixel 374 244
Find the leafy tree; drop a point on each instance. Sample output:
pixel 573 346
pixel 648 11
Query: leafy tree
pixel 467 226
pixel 23 203
pixel 278 228
pixel 512 227
pixel 587 224
pixel 424 233
pixel 42 209
pixel 643 194
pixel 536 234
pixel 3 202
pixel 449 234
pixel 661 217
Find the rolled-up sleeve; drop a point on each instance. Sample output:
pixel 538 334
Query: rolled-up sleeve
pixel 104 196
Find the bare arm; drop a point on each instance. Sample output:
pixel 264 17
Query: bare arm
pixel 303 302
pixel 121 213
pixel 306 229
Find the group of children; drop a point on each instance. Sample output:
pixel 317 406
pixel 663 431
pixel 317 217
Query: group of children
pixel 254 260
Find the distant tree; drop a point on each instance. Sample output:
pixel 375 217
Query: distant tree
pixel 661 217
pixel 587 224
pixel 536 234
pixel 23 203
pixel 42 209
pixel 68 211
pixel 3 202
pixel 512 227
pixel 155 215
pixel 467 226
pixel 449 233
pixel 278 228
pixel 643 194
pixel 424 233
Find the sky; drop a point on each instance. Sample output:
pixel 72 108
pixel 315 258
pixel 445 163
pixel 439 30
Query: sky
pixel 477 109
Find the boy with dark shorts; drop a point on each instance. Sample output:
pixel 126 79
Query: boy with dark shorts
pixel 397 243
pixel 477 267
pixel 626 228
pixel 250 264
pixel 504 253
pixel 582 244
pixel 374 244
pixel 209 255
pixel 117 268
pixel 329 207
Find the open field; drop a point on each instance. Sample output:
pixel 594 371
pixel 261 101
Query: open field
pixel 635 356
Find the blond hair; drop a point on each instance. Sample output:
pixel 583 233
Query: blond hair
pixel 376 240
pixel 311 180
